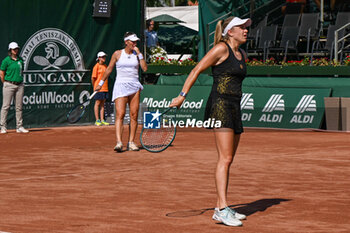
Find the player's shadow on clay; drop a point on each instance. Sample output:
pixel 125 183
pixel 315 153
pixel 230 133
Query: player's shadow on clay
pixel 246 208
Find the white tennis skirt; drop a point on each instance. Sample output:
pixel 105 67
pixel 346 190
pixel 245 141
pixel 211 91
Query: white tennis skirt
pixel 122 89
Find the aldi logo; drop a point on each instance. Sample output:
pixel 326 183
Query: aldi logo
pixel 247 102
pixel 275 103
pixel 306 104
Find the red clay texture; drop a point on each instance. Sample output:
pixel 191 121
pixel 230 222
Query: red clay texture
pixel 69 179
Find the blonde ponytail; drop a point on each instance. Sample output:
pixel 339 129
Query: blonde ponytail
pixel 220 27
pixel 218 32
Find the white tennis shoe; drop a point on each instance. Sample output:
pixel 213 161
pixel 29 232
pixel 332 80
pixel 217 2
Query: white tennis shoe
pixel 3 130
pixel 132 147
pixel 226 217
pixel 22 130
pixel 235 213
pixel 118 147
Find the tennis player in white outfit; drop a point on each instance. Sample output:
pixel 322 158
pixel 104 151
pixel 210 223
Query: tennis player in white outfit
pixel 127 87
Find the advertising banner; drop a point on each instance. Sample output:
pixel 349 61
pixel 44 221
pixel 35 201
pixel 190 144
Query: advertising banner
pixel 261 107
pixel 159 97
pixel 58 42
pixel 283 107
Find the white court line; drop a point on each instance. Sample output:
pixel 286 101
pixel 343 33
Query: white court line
pixel 4 232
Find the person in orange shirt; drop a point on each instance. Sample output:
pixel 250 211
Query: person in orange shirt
pixel 102 95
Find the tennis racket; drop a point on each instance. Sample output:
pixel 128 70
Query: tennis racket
pixel 77 112
pixel 160 138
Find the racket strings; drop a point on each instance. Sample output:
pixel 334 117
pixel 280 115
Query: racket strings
pixel 75 114
pixel 157 139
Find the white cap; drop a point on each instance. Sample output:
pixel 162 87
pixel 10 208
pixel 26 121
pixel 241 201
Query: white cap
pixel 13 45
pixel 132 37
pixel 237 22
pixel 101 54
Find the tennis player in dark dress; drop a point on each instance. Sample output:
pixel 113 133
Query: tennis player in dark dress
pixel 228 67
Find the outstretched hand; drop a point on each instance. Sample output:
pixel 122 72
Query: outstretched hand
pixel 177 102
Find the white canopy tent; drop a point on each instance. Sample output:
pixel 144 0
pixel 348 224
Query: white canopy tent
pixel 187 14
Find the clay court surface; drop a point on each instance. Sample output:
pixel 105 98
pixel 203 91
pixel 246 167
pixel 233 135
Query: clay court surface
pixel 69 179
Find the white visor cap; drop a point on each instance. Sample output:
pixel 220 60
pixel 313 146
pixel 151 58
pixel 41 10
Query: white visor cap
pixel 13 45
pixel 101 54
pixel 237 22
pixel 132 37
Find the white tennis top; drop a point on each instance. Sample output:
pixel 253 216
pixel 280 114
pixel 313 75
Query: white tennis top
pixel 127 80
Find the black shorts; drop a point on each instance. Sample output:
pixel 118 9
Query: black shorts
pixel 101 96
pixel 225 109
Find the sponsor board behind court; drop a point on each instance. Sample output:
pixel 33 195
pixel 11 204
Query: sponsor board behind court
pixel 54 76
pixel 260 107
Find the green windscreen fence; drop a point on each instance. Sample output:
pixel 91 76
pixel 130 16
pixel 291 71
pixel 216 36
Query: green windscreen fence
pixel 59 41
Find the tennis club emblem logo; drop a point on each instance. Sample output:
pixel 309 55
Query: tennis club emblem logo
pixel 151 120
pixel 306 104
pixel 52 52
pixel 52 57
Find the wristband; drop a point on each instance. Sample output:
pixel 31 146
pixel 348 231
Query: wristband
pixel 140 56
pixel 101 83
pixel 183 94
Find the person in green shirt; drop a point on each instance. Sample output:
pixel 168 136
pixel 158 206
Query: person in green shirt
pixel 13 87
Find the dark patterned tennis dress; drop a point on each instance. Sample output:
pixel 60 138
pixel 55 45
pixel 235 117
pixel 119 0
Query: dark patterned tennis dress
pixel 225 97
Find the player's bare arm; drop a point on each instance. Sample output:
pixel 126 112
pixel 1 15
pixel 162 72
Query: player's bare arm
pixel 110 67
pixel 142 61
pixel 215 56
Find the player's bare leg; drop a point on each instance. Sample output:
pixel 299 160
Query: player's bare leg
pixel 134 101
pixel 226 144
pixel 120 108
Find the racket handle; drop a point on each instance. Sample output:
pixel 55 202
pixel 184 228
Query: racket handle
pixel 170 108
pixel 93 94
